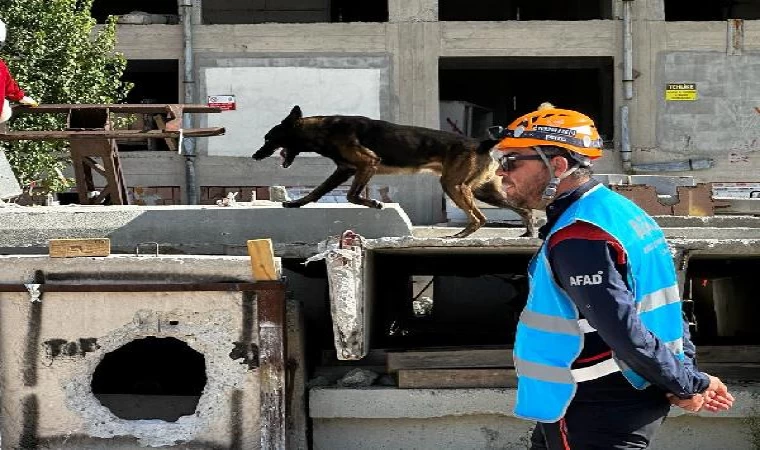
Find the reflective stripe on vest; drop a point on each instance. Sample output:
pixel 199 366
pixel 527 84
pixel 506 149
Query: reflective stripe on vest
pixel 550 333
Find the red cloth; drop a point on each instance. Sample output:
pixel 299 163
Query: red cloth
pixel 8 87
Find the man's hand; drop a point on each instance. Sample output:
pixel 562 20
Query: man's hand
pixel 692 404
pixel 29 101
pixel 717 397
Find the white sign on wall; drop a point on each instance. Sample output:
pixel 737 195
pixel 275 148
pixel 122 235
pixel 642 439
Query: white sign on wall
pixel 265 95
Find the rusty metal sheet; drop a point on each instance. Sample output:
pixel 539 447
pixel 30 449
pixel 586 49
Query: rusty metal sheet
pixel 645 196
pixel 695 201
pixel 270 306
pixel 262 286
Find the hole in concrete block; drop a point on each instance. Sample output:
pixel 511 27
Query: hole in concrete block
pixel 151 378
pixel 174 322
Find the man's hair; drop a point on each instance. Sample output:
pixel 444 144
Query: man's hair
pixel 582 163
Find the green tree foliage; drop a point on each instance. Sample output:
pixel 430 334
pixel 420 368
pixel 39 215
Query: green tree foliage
pixel 57 54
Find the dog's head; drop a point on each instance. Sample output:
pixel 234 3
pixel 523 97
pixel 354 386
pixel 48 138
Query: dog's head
pixel 282 136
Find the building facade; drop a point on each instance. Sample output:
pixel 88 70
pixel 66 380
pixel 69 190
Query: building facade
pixel 672 87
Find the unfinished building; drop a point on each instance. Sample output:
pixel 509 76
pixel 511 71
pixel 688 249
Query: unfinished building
pixel 428 363
pixel 445 64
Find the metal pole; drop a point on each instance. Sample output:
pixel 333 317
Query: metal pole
pixel 625 140
pixel 627 50
pixel 188 144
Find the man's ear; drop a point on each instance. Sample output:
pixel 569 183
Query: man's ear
pixel 560 165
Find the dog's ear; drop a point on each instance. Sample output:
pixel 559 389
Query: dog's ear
pixel 295 113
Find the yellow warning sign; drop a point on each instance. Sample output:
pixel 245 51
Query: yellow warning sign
pixel 681 91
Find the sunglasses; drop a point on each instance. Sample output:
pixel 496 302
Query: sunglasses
pixel 508 161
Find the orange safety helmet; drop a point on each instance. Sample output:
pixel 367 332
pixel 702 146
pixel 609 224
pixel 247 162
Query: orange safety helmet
pixel 551 126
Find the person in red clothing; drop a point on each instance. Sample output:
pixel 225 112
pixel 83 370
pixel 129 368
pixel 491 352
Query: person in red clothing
pixel 601 350
pixel 9 89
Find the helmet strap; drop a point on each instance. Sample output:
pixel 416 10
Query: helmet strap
pixel 551 189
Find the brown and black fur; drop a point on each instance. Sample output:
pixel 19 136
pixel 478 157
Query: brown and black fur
pixel 362 147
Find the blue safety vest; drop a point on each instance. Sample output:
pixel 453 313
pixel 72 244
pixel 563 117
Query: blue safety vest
pixel 550 335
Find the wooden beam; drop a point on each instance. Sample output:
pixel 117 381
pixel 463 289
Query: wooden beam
pixel 732 371
pixel 161 123
pixel 67 248
pixel 456 378
pixel 449 359
pixel 707 354
pixel 107 134
pixel 134 108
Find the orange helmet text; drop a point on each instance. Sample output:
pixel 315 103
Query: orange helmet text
pixel 551 126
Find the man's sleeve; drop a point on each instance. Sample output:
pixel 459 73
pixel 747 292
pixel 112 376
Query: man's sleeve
pixel 689 349
pixel 578 262
pixel 12 91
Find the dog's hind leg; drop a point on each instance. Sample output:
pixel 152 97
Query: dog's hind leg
pixel 365 161
pixel 491 193
pixel 340 175
pixel 461 194
pixel 361 178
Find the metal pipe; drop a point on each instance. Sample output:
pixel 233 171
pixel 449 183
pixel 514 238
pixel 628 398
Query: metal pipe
pixel 188 82
pixel 627 50
pixel 625 139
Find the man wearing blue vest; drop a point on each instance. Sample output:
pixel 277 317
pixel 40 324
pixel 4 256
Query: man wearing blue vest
pixel 602 349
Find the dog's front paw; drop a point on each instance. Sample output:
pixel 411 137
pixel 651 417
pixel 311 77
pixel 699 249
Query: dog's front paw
pixel 375 204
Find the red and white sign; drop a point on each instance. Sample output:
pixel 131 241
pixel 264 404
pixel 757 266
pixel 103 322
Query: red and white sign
pixel 224 102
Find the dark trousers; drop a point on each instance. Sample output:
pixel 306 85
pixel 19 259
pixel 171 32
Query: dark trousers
pixel 602 426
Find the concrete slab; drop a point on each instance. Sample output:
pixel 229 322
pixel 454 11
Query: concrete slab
pixel 205 230
pixel 390 418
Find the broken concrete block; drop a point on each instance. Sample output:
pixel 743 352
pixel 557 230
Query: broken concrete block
pixel 358 378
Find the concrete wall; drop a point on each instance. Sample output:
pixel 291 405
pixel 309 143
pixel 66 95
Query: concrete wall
pixel 267 88
pixel 722 124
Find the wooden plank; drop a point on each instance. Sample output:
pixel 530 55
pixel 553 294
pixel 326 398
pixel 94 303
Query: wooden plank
pixel 68 248
pixel 130 108
pixel 456 378
pixel 732 371
pixel 161 123
pixel 707 354
pixel 449 359
pixel 502 357
pixel 262 259
pixel 107 134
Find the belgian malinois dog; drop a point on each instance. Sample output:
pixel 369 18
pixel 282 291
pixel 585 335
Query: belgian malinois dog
pixel 362 147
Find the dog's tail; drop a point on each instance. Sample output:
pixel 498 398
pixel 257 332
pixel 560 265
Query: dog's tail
pixel 486 146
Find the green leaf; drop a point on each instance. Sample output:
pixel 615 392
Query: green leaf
pixel 57 55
